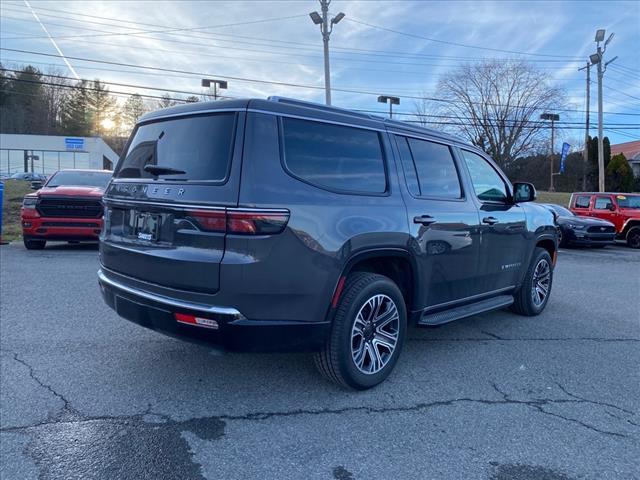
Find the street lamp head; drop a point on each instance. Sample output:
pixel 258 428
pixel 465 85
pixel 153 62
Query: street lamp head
pixel 594 58
pixel 316 18
pixel 608 40
pixel 337 18
pixel 600 35
pixel 206 82
pixel 388 99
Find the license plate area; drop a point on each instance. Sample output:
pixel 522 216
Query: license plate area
pixel 147 226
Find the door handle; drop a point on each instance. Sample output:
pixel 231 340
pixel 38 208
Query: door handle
pixel 490 220
pixel 424 219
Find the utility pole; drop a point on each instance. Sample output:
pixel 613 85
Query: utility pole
pixel 585 152
pixel 554 117
pixel 391 100
pixel 598 58
pixel 326 27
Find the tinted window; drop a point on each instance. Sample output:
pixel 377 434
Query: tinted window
pixel 487 184
pixel 333 156
pixel 409 167
pixel 582 201
pixel 603 203
pixel 198 146
pixel 628 201
pixel 79 179
pixel 437 174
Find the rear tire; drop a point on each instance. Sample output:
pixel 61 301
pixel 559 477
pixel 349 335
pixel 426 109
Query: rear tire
pixel 34 244
pixel 534 293
pixel 367 334
pixel 633 237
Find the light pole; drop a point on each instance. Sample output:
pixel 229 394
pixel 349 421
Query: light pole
pixel 585 152
pixel 326 27
pixel 598 59
pixel 554 117
pixel 207 82
pixel 391 100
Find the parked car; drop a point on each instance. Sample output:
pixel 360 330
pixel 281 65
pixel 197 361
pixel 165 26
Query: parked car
pixel 67 208
pixel 29 177
pixel 278 225
pixel 621 209
pixel 575 230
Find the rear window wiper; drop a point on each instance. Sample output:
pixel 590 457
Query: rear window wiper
pixel 157 170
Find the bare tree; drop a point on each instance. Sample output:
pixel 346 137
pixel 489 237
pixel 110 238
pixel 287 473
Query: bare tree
pixel 496 104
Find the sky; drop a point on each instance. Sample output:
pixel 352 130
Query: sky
pixel 398 48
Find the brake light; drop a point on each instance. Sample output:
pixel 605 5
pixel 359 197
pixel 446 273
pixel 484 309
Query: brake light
pixel 240 222
pixel 256 222
pixel 209 220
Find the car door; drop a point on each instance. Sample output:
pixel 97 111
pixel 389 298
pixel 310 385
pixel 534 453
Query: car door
pixel 443 221
pixel 604 207
pixel 503 232
pixel 580 205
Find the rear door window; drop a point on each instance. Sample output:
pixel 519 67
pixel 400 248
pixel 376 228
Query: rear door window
pixel 436 171
pixel 334 157
pixel 603 203
pixel 199 146
pixel 582 201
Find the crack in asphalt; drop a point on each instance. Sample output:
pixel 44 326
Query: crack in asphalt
pixel 67 408
pixel 496 338
pixel 76 417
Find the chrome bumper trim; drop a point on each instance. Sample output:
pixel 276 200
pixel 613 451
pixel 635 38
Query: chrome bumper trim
pixel 227 311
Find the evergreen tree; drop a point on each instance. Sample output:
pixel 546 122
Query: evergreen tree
pixel 166 101
pixel 76 117
pixel 192 99
pixel 100 106
pixel 619 175
pixel 24 109
pixel 592 166
pixel 132 110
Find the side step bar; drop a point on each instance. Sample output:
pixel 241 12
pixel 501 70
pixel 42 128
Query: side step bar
pixel 457 313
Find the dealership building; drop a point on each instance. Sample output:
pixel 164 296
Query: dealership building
pixel 49 153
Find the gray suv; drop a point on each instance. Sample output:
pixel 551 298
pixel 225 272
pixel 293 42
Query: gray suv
pixel 273 225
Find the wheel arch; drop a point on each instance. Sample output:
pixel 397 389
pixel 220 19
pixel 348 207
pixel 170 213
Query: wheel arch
pixel 395 263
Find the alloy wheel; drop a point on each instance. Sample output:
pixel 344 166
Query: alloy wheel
pixel 541 282
pixel 375 333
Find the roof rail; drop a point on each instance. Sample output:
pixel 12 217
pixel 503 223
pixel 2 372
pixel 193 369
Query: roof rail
pixel 319 106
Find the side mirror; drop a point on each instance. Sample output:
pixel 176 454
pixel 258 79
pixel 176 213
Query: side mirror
pixel 523 192
pixel 612 207
pixel 36 185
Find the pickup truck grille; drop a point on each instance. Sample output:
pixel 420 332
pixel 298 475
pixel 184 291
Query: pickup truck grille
pixel 602 229
pixel 70 207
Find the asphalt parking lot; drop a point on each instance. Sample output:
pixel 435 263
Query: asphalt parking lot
pixel 85 394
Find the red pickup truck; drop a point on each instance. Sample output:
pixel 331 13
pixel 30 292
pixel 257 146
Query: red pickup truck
pixel 621 209
pixel 68 207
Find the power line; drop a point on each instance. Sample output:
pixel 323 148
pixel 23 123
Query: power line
pixel 380 53
pixel 260 81
pixel 445 42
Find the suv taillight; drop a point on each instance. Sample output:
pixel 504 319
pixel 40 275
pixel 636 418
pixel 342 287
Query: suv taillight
pixel 241 222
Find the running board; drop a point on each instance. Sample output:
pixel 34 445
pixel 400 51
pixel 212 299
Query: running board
pixel 464 311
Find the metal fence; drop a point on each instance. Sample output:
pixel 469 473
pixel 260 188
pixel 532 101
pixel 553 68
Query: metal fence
pixel 40 161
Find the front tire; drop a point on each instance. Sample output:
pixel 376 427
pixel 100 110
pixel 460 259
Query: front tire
pixel 367 334
pixel 30 244
pixel 633 237
pixel 533 296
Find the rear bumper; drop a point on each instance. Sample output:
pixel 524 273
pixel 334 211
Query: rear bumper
pixel 234 332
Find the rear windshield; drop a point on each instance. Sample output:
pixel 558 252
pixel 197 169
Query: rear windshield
pixel 79 179
pixel 189 148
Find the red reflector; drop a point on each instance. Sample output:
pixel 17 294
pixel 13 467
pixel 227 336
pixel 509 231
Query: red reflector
pixel 338 292
pixel 198 321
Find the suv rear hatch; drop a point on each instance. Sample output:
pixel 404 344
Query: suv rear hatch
pixel 165 210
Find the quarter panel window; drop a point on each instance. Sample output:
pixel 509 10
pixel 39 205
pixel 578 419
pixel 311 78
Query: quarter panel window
pixel 335 157
pixel 409 167
pixel 487 184
pixel 582 201
pixel 436 169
